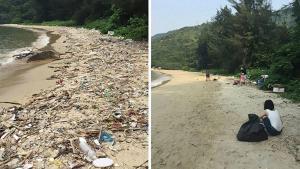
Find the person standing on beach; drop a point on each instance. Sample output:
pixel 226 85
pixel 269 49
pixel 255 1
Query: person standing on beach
pixel 207 75
pixel 271 119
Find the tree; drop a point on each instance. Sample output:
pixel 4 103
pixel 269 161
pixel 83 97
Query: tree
pixel 253 22
pixel 203 60
pixel 296 10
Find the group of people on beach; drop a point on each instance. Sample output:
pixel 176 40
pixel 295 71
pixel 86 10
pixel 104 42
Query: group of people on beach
pixel 270 117
pixel 243 75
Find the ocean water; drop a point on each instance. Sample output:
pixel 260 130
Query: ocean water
pixel 13 40
pixel 158 78
pixel 154 75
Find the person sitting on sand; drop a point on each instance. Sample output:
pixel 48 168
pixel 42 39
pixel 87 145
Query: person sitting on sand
pixel 271 119
pixel 243 70
pixel 243 79
pixel 243 75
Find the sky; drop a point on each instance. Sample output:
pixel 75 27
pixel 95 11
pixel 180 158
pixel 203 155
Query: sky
pixel 174 14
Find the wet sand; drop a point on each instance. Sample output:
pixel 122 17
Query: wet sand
pixel 20 80
pixel 194 125
pixel 158 78
pixel 24 82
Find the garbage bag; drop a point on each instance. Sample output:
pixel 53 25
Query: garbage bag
pixel 252 130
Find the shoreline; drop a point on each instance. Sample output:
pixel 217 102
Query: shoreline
pixel 162 79
pixel 20 80
pixel 41 43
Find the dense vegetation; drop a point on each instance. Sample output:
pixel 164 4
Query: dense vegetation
pixel 126 18
pixel 249 36
pixel 176 49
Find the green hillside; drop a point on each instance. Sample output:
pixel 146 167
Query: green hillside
pixel 176 49
pixel 284 16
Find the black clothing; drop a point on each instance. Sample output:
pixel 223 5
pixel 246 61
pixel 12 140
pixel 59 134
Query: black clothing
pixel 270 129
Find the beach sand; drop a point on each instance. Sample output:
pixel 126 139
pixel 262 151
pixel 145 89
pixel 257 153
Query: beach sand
pixel 20 80
pixel 194 125
pixel 24 82
pixel 100 75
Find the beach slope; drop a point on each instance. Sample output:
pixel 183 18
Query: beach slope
pixel 194 125
pixel 100 89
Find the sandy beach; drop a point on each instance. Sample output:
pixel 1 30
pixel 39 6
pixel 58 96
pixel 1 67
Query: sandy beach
pixel 24 82
pixel 96 77
pixel 20 80
pixel 194 125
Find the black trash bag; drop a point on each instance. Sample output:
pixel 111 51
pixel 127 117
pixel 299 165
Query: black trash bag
pixel 252 130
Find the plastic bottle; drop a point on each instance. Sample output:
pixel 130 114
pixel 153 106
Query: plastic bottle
pixel 87 150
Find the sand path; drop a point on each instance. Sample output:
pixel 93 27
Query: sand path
pixel 194 125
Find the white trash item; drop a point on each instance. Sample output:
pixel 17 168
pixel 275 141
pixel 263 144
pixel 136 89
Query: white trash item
pixel 87 150
pixel 278 90
pixel 111 33
pixel 103 162
pixel 28 166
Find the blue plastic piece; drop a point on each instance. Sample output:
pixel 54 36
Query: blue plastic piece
pixel 106 137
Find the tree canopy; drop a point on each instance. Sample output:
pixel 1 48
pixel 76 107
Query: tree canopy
pixel 130 16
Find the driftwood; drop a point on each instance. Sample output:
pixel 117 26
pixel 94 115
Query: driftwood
pixel 134 129
pixel 141 164
pixel 12 103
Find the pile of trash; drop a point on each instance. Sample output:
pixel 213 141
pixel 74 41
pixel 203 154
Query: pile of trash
pixel 97 110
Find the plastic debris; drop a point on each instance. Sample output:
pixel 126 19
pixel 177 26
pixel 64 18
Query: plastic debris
pixel 16 137
pixel 103 162
pixel 97 142
pixel 106 137
pixel 117 114
pixel 102 82
pixel 87 150
pixel 28 166
pixel 1 153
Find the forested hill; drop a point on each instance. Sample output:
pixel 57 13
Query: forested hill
pixel 127 18
pixel 176 49
pixel 284 16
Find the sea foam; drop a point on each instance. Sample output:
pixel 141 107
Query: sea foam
pixel 41 42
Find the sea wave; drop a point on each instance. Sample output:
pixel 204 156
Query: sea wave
pixel 42 41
